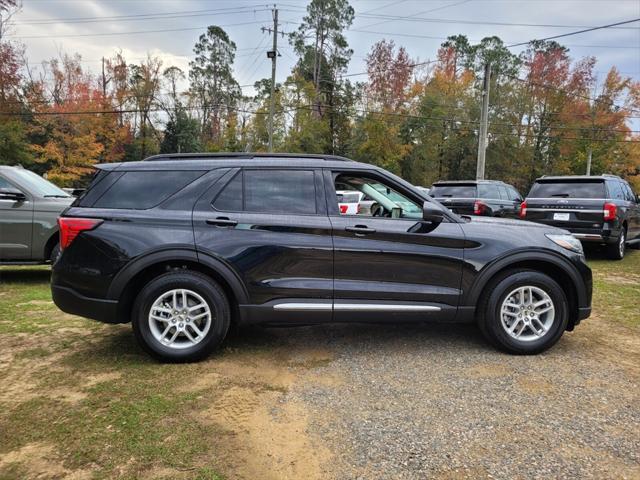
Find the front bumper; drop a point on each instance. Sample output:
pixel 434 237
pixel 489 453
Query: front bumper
pixel 70 301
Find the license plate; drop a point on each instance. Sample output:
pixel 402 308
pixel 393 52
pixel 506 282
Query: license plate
pixel 561 216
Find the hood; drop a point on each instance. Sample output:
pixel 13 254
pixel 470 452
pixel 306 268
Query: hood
pixel 510 222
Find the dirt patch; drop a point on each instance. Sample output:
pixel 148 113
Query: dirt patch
pixel 623 280
pixel 488 370
pixel 35 302
pixel 535 385
pixel 269 436
pixel 39 460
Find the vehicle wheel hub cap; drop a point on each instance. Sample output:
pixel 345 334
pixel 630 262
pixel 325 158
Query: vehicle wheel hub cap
pixel 527 313
pixel 180 318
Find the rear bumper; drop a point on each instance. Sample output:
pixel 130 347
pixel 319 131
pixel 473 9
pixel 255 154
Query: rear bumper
pixel 70 301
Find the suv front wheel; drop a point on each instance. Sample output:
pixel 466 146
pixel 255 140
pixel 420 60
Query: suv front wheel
pixel 181 316
pixel 523 312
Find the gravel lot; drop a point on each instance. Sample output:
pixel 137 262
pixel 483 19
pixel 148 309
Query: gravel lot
pixel 81 400
pixel 436 402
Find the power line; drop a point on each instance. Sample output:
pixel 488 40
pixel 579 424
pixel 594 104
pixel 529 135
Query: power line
pixel 107 34
pixel 145 16
pixel 591 29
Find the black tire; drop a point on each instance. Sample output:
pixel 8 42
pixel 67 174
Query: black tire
pixel 617 249
pixel 201 284
pixel 489 308
pixel 55 253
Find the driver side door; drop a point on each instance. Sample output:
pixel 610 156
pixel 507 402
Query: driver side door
pixel 16 225
pixel 386 267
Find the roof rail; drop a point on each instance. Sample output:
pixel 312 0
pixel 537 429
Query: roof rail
pixel 241 155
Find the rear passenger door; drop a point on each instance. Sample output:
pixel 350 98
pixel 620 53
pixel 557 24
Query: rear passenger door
pixel 270 225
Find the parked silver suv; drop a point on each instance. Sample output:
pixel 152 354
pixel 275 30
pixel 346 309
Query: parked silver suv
pixel 29 209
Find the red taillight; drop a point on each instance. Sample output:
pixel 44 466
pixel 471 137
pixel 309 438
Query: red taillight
pixel 610 211
pixel 479 207
pixel 70 228
pixel 523 209
pixel 359 209
pixel 343 209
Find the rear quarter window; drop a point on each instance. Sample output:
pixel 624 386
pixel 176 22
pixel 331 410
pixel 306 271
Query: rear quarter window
pixel 140 190
pixel 568 190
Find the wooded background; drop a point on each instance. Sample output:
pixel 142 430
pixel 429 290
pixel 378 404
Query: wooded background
pixel 419 119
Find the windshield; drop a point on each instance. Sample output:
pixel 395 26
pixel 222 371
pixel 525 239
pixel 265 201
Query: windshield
pixel 564 189
pixel 453 191
pixel 37 184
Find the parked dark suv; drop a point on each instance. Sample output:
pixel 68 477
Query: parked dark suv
pixel 491 198
pixel 598 209
pixel 184 245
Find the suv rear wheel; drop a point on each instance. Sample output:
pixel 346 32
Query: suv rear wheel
pixel 524 312
pixel 616 250
pixel 181 316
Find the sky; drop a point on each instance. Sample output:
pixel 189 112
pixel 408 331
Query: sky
pixel 170 28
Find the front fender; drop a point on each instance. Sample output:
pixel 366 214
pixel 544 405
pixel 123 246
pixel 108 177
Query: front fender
pixel 530 257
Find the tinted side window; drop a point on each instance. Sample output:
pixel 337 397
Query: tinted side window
pixel 145 189
pixel 630 195
pixel 615 190
pixel 5 183
pixel 504 195
pixel 514 194
pixel 230 198
pixel 280 191
pixel 488 191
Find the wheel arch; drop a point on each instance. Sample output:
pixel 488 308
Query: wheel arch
pixel 550 264
pixel 130 280
pixel 53 240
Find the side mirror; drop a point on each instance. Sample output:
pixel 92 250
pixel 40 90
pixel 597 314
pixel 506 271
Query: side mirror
pixel 431 213
pixel 12 194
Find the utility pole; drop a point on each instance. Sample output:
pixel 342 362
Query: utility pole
pixel 273 55
pixel 484 123
pixel 589 154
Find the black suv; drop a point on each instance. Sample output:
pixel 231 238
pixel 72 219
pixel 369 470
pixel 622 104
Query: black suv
pixel 183 246
pixel 491 198
pixel 601 209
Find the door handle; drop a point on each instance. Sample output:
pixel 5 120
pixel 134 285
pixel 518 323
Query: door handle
pixel 360 229
pixel 222 222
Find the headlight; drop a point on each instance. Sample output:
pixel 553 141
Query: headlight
pixel 567 241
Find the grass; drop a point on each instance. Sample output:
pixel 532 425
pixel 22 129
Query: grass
pixel 88 392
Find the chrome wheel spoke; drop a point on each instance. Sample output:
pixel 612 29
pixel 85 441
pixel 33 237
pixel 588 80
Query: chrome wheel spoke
pixel 527 313
pixel 180 318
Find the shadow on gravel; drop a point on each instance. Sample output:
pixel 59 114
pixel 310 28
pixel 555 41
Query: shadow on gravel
pixel 429 335
pixel 25 276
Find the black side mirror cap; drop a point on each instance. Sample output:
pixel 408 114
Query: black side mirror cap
pixel 432 213
pixel 12 194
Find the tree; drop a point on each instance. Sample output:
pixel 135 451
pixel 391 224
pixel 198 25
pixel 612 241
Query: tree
pixel 328 54
pixel 181 134
pixel 389 74
pixel 213 87
pixel 144 84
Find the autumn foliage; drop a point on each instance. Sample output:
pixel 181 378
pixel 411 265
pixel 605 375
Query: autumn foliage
pixel 420 119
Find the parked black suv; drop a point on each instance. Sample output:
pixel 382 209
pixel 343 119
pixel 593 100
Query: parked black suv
pixel 184 245
pixel 601 209
pixel 491 198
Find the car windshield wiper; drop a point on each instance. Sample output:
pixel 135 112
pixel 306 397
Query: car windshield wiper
pixel 56 196
pixel 563 195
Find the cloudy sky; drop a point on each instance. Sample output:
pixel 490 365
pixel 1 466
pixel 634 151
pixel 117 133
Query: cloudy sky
pixel 169 28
